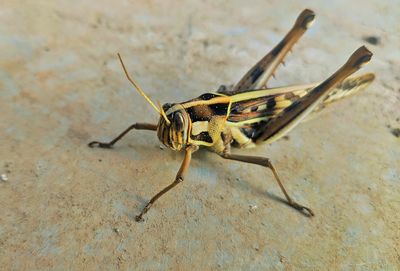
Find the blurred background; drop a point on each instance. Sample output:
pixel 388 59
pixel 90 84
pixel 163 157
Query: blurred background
pixel 65 206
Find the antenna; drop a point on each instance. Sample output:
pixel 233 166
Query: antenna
pixel 163 113
pixel 159 110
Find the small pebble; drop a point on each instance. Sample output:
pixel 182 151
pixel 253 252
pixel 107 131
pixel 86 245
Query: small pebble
pixel 116 230
pixel 372 40
pixel 252 208
pixel 395 132
pixel 3 177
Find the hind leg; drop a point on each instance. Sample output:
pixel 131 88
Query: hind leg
pixel 265 162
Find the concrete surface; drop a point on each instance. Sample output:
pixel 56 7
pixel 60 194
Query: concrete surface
pixel 68 207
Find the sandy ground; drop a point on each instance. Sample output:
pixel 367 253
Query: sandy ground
pixel 68 207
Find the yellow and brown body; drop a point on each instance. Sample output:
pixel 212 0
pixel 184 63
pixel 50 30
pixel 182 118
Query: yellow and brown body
pixel 249 113
pixel 244 117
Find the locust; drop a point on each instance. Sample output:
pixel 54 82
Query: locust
pixel 248 113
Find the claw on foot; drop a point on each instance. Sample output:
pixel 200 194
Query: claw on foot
pixel 139 218
pixel 303 209
pixel 100 145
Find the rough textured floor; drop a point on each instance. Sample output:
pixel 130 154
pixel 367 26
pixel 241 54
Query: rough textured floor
pixel 66 206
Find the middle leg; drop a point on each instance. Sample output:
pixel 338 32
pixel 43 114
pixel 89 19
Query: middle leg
pixel 265 162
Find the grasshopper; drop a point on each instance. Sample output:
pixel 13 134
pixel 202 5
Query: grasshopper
pixel 248 113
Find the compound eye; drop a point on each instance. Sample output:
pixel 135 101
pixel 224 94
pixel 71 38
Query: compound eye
pixel 178 121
